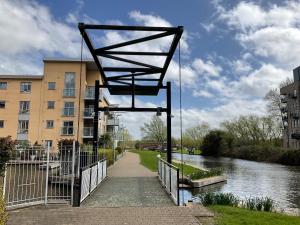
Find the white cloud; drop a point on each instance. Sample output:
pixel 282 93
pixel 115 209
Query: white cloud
pixel 202 93
pixel 206 68
pixel 208 26
pixel 240 67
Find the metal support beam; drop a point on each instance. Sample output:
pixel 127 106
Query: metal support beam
pixel 169 124
pixel 130 109
pixel 95 122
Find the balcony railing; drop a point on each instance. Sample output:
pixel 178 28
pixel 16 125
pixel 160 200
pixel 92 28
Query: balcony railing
pixel 88 113
pixel 295 135
pixel 69 92
pixel 67 131
pixel 295 115
pixel 87 132
pixel 112 122
pixel 69 111
pixel 90 93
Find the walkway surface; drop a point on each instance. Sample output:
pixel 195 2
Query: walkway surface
pixel 129 184
pixel 118 201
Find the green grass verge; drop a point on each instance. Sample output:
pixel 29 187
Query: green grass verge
pixel 149 160
pixel 226 215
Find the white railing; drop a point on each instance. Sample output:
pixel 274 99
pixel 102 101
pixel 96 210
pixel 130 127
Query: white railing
pixel 91 177
pixel 169 178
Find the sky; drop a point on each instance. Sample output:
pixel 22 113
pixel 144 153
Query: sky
pixel 232 52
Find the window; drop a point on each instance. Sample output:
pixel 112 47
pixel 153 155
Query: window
pixel 48 142
pixel 51 104
pixel 49 124
pixel 23 126
pixel 51 85
pixel 25 87
pixel 67 128
pixel 3 85
pixel 68 109
pixel 1 123
pixel 24 107
pixel 2 104
pixel 69 90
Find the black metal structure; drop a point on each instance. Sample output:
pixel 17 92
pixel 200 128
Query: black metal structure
pixel 139 78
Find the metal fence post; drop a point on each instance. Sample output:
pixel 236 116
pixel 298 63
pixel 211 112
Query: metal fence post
pixel 178 199
pixel 78 166
pixel 47 173
pixel 4 182
pixel 73 171
pixel 170 175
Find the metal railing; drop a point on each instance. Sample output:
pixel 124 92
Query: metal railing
pixel 88 112
pixel 112 122
pixel 91 177
pixel 69 92
pixel 168 175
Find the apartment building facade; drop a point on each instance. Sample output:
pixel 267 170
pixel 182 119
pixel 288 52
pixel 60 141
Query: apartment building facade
pixel 290 108
pixel 56 105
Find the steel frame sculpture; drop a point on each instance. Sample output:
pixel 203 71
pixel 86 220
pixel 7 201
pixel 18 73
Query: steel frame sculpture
pixel 136 80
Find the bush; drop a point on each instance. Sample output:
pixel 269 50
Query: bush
pixel 3 214
pixel 206 173
pixel 291 157
pixel 257 204
pixel 219 199
pixel 119 150
pixel 7 147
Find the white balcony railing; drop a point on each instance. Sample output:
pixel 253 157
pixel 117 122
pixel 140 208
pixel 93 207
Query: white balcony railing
pixel 68 111
pixel 112 122
pixel 90 93
pixel 69 92
pixel 88 113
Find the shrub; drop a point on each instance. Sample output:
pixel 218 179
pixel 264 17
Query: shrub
pixel 268 204
pixel 119 150
pixel 206 173
pixel 219 199
pixel 291 157
pixel 3 214
pixel 216 142
pixel 7 147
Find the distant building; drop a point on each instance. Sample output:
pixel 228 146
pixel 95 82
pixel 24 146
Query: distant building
pixel 53 106
pixel 290 108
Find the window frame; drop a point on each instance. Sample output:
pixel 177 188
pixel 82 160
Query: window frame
pixel 5 84
pixel 22 109
pixel 3 101
pixel 51 107
pixel 53 83
pixel 22 129
pixel 28 86
pixel 48 122
pixel 1 122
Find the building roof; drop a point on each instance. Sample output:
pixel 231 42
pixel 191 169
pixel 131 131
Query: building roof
pixel 91 65
pixel 22 76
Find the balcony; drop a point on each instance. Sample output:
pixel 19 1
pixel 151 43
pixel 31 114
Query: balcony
pixel 69 92
pixel 283 98
pixel 112 122
pixel 23 115
pixel 69 111
pixel 90 93
pixel 88 113
pixel 67 131
pixel 22 135
pixel 87 132
pixel 295 135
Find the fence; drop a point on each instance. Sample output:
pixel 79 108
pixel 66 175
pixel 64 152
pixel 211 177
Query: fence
pixel 91 177
pixel 38 175
pixel 169 177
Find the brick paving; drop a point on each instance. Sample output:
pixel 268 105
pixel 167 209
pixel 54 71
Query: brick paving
pixel 54 215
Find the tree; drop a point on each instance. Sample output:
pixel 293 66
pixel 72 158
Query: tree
pixel 127 139
pixel 274 103
pixel 106 140
pixel 193 136
pixel 286 82
pixel 214 143
pixel 155 130
pixel 7 148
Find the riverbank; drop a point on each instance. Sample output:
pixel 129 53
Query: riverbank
pixel 227 215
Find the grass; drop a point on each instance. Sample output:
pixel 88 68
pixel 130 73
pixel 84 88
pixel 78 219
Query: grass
pixel 185 151
pixel 149 160
pixel 226 215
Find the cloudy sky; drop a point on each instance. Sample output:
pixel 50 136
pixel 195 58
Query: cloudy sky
pixel 233 52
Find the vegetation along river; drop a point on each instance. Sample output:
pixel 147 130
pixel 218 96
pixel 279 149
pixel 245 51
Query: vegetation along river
pixel 251 179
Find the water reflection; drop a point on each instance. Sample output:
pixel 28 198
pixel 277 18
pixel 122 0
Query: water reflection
pixel 247 178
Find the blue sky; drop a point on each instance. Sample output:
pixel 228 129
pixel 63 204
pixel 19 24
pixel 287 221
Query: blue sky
pixel 233 51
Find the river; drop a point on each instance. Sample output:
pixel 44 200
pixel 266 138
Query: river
pixel 248 178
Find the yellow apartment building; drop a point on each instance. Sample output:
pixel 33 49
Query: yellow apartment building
pixel 53 106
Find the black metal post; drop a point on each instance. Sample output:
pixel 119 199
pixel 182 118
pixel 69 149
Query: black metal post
pixel 169 124
pixel 95 122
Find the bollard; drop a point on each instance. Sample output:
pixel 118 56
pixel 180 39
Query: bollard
pixel 76 192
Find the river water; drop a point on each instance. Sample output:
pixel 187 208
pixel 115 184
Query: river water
pixel 251 179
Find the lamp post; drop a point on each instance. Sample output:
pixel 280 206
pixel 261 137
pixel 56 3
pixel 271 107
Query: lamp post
pixel 114 134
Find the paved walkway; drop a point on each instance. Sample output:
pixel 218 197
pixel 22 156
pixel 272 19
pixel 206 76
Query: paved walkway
pixel 172 215
pixel 129 184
